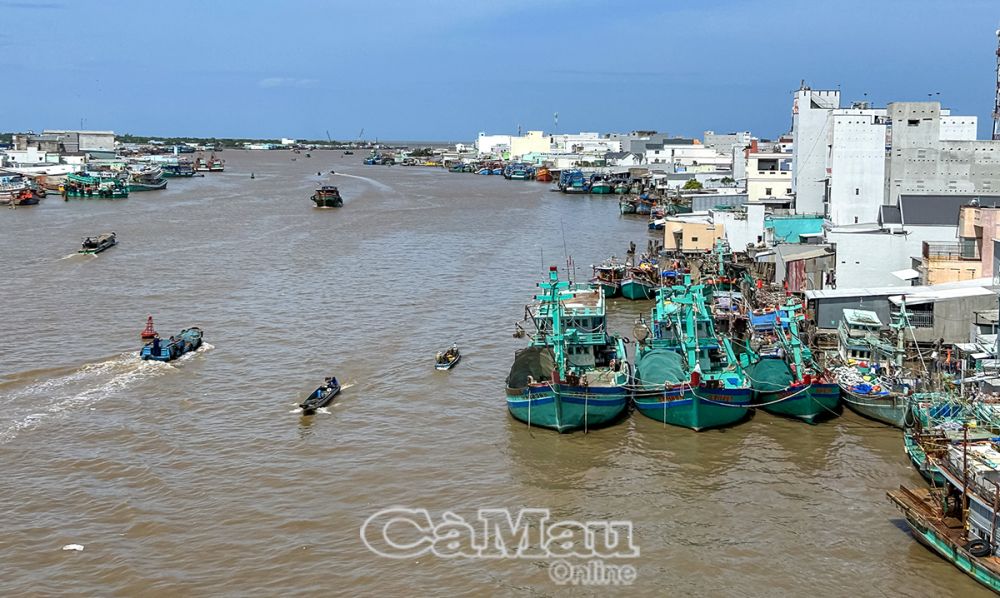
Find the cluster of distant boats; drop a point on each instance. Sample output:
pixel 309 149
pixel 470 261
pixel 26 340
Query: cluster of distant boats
pixel 100 179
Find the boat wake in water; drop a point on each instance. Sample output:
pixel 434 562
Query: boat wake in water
pixel 377 184
pixel 43 399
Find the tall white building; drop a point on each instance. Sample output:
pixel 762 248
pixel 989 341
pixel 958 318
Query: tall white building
pixel 811 111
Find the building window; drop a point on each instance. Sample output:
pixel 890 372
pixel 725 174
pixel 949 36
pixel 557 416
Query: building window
pixel 912 122
pixel 767 191
pixel 788 191
pixel 694 239
pixel 857 191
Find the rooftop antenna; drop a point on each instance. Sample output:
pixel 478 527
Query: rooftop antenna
pixel 996 101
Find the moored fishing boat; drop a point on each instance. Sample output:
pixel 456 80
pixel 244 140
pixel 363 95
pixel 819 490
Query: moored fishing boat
pixel 609 277
pixel 179 170
pixel 791 383
pixel 94 186
pixel 958 520
pixel 521 172
pixel 706 387
pixel 146 178
pixel 102 242
pixel 327 196
pixel 186 341
pixel 543 175
pixel 599 185
pixel 574 181
pixel 628 205
pixel 573 375
pixel 870 382
pixel 25 197
pixel 640 281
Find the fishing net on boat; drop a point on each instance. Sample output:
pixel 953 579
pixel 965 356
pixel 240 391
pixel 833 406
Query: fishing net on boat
pixel 536 362
pixel 657 367
pixel 769 375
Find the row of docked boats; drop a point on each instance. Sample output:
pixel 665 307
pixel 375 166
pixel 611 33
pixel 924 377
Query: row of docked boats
pixel 575 181
pixel 575 374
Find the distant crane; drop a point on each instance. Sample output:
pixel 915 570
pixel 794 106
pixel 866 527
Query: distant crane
pixel 328 137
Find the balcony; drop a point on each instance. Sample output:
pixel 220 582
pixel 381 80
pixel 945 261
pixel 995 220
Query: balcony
pixel 951 251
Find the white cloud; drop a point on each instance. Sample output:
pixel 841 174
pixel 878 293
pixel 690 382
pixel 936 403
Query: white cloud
pixel 272 82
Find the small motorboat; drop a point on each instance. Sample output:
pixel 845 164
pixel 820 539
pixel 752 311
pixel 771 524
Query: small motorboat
pixel 321 397
pixel 157 349
pixel 99 243
pixel 445 360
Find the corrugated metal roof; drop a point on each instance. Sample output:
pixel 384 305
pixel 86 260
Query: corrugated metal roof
pixel 940 210
pixel 933 296
pixel 890 215
pixel 896 290
pixel 793 252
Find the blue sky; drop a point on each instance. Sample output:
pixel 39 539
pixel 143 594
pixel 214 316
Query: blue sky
pixel 435 70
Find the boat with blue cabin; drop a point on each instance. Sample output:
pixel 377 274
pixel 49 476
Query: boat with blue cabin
pixel 574 374
pixel 186 341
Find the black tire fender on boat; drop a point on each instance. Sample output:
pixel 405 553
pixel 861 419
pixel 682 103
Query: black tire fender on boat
pixel 979 548
pixel 626 340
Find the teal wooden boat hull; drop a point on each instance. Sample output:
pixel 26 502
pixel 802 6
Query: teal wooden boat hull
pixel 637 290
pixel 601 189
pixel 567 408
pixel 818 401
pixel 610 289
pixel 701 410
pixel 886 408
pixel 134 187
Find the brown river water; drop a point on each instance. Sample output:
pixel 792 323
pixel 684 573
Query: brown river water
pixel 198 477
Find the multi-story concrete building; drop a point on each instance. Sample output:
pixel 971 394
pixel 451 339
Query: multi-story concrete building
pixel 724 143
pixel 768 174
pixel 533 142
pixel 936 153
pixel 855 171
pixel 810 128
pixel 492 144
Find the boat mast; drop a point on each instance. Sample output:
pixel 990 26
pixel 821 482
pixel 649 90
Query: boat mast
pixel 901 324
pixel 554 299
pixel 792 318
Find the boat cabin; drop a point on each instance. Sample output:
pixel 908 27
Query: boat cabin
pixel 584 324
pixel 859 332
pixel 976 466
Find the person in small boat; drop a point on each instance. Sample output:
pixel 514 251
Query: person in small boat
pixel 440 357
pixel 156 345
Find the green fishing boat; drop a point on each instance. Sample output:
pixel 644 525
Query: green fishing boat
pixel 94 186
pixel 684 374
pixel 573 375
pixel 600 187
pixel 609 277
pixel 788 381
pixel 640 282
pixel 871 381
